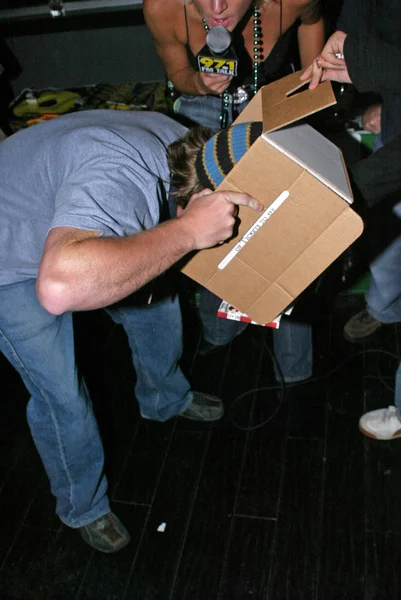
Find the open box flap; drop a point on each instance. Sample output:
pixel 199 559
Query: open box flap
pixel 279 103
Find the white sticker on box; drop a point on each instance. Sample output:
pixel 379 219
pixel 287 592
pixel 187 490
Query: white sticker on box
pixel 255 227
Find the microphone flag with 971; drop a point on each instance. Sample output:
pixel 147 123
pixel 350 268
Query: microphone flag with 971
pixel 217 55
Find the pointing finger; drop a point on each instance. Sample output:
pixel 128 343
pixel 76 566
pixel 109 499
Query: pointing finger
pixel 317 73
pixel 241 199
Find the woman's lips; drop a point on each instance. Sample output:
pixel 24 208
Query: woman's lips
pixel 222 22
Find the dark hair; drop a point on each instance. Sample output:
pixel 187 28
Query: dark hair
pixel 181 156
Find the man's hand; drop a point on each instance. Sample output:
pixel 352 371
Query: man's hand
pixel 327 66
pixel 371 118
pixel 212 83
pixel 210 216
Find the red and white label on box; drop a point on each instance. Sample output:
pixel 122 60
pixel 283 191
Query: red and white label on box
pixel 227 311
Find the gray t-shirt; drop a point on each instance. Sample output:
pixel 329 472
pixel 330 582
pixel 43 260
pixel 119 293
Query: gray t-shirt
pixel 100 170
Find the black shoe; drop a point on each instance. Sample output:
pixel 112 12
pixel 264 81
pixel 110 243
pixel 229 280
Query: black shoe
pixel 106 534
pixel 206 348
pixel 204 408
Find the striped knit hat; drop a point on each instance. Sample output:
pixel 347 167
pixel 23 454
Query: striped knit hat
pixel 219 155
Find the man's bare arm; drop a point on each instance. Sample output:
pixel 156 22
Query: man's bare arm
pixel 82 271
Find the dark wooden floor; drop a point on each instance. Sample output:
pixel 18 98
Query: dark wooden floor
pixel 302 508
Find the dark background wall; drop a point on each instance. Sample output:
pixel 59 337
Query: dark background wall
pixel 81 50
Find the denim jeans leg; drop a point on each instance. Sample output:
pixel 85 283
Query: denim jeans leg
pixel 216 331
pixel 397 393
pixel 204 110
pixel 292 341
pixel 383 298
pixel 155 337
pixel 60 416
pixel 293 350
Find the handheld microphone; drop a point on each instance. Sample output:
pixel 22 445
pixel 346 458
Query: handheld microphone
pixel 217 55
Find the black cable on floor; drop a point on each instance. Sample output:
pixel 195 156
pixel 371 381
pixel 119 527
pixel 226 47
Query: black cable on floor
pixel 282 386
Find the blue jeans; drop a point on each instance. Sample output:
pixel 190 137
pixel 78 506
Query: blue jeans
pixel 59 412
pixel 204 110
pixel 292 341
pixel 383 298
pixel 397 393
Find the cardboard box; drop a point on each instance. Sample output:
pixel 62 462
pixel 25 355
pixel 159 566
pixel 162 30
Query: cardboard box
pixel 301 179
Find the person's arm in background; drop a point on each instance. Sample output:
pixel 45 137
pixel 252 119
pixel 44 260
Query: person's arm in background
pixel 311 33
pixel 311 38
pixel 350 22
pixel 371 118
pixel 380 174
pixel 369 63
pixel 372 65
pixel 162 20
pixel 81 271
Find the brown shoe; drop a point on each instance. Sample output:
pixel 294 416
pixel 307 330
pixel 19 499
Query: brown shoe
pixel 106 534
pixel 360 327
pixel 204 407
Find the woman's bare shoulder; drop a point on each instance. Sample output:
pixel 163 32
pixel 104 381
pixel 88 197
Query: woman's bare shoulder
pixel 166 10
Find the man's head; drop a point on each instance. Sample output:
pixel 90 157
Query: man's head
pixel 201 160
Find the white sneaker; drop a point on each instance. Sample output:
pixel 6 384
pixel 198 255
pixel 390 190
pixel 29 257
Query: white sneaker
pixel 382 424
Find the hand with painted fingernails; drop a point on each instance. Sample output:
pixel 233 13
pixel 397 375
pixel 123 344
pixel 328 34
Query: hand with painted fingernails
pixel 330 64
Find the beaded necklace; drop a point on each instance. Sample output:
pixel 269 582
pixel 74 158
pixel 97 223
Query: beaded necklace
pixel 257 57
